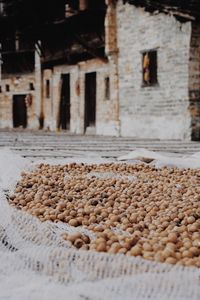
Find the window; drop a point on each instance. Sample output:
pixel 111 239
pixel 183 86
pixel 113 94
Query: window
pixel 149 67
pixel 0 89
pixel 107 88
pixel 31 86
pixel 47 88
pixel 7 88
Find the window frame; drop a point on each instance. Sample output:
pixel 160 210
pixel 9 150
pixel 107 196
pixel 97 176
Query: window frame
pixel 47 88
pixel 153 67
pixel 7 88
pixel 31 86
pixel 107 88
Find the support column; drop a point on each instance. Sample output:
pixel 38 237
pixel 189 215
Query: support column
pixel 111 50
pixel 38 87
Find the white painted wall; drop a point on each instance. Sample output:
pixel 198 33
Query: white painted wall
pixel 19 85
pixel 106 123
pixel 161 111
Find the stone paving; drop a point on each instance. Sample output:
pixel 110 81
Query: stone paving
pixel 41 144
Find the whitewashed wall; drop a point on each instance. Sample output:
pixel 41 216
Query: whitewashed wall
pixel 161 111
pixel 105 112
pixel 19 85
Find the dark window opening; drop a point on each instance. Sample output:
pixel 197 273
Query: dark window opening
pixel 107 88
pixel 47 88
pixel 31 86
pixel 149 66
pixel 7 88
pixel 0 89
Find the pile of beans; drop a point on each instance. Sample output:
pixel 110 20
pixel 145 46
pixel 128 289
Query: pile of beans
pixel 154 215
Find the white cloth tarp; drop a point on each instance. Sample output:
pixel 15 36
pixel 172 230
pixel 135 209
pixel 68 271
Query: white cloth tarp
pixel 36 264
pixel 160 160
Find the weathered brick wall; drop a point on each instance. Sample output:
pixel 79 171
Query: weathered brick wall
pixel 18 85
pixel 105 118
pixel 194 81
pixel 160 111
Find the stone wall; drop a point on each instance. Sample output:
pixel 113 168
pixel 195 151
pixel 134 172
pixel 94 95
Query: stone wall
pixel 159 111
pixel 18 85
pixel 194 81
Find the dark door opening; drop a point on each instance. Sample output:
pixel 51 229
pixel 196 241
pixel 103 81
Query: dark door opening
pixel 64 114
pixel 90 99
pixel 19 111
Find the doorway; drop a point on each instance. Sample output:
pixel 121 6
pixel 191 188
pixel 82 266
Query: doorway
pixel 19 111
pixel 64 114
pixel 90 100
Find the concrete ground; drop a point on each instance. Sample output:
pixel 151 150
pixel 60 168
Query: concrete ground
pixel 41 144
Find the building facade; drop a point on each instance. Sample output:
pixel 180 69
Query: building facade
pixel 146 85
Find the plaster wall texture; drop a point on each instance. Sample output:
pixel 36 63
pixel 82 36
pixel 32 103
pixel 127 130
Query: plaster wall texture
pixel 159 111
pixel 18 85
